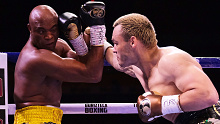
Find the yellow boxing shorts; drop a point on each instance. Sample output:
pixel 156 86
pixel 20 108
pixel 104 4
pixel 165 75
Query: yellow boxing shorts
pixel 38 115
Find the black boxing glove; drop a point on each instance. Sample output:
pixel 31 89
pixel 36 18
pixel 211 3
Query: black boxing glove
pixel 71 26
pixel 92 14
pixel 65 20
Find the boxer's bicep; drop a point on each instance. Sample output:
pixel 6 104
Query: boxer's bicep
pixel 195 86
pixel 50 64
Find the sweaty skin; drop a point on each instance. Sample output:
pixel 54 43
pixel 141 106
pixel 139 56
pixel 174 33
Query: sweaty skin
pixel 166 70
pixel 46 61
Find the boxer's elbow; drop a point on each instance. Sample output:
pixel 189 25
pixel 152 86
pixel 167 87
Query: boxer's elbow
pixel 99 77
pixel 210 97
pixel 213 98
pixel 94 80
pixel 94 77
pixel 97 80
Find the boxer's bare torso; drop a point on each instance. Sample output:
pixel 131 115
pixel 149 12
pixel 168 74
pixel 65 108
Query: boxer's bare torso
pixel 33 85
pixel 161 79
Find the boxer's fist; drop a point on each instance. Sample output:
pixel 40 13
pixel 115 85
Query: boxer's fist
pixel 152 105
pixel 93 13
pixel 70 25
pixel 149 106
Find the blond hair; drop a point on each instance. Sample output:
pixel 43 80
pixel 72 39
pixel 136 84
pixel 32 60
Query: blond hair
pixel 137 25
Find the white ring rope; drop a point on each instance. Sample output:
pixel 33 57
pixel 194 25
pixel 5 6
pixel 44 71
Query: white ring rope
pixel 91 108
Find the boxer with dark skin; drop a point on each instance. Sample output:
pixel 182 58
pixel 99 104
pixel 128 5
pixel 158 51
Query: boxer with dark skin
pixel 46 61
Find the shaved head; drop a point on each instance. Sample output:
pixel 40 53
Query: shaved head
pixel 42 12
pixel 43 27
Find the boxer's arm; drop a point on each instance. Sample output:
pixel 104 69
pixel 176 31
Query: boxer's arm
pixel 64 50
pixel 198 92
pixel 90 70
pixel 67 69
pixel 70 25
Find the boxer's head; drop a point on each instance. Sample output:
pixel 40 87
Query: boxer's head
pixel 128 31
pixel 139 26
pixel 43 27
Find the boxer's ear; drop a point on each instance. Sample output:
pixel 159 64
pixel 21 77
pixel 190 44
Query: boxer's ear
pixel 29 27
pixel 133 41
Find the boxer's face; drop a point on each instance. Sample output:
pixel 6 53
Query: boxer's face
pixel 44 33
pixel 122 48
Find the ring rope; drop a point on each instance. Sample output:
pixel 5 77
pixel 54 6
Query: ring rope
pixel 205 62
pixel 91 108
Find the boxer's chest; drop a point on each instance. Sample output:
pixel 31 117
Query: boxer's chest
pixel 158 82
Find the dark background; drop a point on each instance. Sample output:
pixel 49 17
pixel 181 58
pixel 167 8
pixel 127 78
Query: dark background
pixel 189 25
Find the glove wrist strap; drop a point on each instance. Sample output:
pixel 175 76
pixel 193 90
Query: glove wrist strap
pixel 106 46
pixel 79 45
pixel 97 34
pixel 170 104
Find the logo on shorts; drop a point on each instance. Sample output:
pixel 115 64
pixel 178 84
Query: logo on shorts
pixel 216 108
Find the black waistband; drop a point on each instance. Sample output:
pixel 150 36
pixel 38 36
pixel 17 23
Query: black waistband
pixel 191 117
pixel 196 117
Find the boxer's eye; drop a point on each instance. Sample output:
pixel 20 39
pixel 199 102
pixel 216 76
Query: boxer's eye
pixel 54 29
pixel 41 31
pixel 114 42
